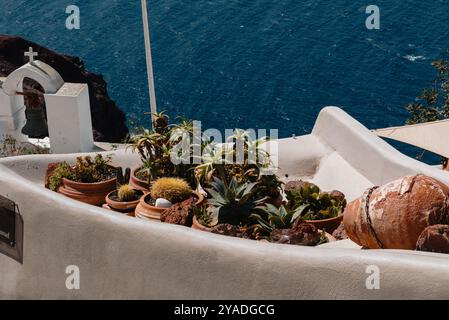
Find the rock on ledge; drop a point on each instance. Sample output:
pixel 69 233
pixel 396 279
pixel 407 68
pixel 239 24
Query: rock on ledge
pixel 107 119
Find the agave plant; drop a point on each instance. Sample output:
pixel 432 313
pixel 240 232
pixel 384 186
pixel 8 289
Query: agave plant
pixel 276 218
pixel 235 201
pixel 313 204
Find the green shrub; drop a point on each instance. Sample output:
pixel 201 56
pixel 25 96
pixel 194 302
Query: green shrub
pixel 85 170
pixel 63 170
pixel 312 204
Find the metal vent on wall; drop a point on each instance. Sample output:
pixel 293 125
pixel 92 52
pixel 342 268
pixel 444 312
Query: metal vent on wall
pixel 11 230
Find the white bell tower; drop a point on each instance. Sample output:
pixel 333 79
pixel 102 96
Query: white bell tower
pixel 67 104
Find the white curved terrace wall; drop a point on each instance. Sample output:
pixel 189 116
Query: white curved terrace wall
pixel 374 158
pixel 122 257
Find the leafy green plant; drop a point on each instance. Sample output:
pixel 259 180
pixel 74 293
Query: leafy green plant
pixel 157 147
pixel 90 170
pixel 312 204
pixel 277 218
pixel 242 158
pixel 85 170
pixel 63 170
pixel 281 223
pixel 207 215
pixel 235 201
pixel 433 102
pixel 173 189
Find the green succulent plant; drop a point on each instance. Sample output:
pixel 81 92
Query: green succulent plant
pixel 207 215
pixel 156 148
pixel 90 170
pixel 314 204
pixel 242 157
pixel 235 201
pixel 277 218
pixel 62 170
pixel 85 170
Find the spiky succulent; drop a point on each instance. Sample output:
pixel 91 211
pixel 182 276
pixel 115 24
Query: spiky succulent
pixel 61 171
pixel 90 170
pixel 235 202
pixel 159 146
pixel 277 218
pixel 126 193
pixel 314 204
pixel 85 170
pixel 172 189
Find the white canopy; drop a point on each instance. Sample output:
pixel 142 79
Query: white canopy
pixel 431 136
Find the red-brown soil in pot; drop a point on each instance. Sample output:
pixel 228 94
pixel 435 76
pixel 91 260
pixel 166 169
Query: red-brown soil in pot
pixel 125 207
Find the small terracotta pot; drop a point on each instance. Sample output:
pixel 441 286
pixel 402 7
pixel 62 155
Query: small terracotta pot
pixel 328 225
pixel 124 207
pixel 137 183
pixel 148 212
pixel 198 226
pixel 91 193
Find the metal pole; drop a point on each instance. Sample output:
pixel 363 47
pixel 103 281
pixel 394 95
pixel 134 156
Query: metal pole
pixel 146 32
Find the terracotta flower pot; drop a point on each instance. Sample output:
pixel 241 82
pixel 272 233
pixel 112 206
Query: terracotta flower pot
pixel 137 183
pixel 329 225
pixel 146 211
pixel 394 215
pixel 124 207
pixel 91 193
pixel 198 226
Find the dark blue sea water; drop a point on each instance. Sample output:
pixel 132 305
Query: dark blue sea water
pixel 250 63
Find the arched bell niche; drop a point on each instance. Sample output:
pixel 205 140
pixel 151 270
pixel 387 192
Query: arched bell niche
pixel 28 86
pixel 35 110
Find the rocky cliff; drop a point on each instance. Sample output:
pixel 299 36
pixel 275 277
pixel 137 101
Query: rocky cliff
pixel 107 119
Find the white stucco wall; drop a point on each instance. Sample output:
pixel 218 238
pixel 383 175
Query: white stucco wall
pixel 123 257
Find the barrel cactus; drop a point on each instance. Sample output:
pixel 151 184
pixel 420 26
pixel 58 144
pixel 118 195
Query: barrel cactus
pixel 172 189
pixel 126 193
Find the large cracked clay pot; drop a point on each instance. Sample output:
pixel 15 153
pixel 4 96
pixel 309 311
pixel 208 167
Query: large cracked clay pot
pixel 394 215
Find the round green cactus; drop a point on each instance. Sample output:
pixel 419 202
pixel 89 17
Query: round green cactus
pixel 172 189
pixel 126 193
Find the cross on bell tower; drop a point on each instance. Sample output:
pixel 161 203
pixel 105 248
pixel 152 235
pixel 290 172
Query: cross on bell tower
pixel 31 54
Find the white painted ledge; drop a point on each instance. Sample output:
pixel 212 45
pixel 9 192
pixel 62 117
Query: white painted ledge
pixel 122 257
